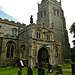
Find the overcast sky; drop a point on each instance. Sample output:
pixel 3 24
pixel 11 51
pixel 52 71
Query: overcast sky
pixel 21 10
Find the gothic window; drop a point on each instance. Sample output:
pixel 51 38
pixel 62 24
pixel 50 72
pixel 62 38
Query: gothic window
pixel 41 14
pixel 48 37
pixel 54 11
pixel 10 49
pixel 38 35
pixel 58 13
pixel 52 37
pixel 44 35
pixel 44 12
pixel 14 31
pixel 56 51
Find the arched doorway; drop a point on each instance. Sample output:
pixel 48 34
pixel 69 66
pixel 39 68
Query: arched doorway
pixel 43 55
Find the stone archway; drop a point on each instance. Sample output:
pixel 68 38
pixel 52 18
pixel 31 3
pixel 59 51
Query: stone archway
pixel 43 55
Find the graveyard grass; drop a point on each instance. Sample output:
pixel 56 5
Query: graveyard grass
pixel 14 70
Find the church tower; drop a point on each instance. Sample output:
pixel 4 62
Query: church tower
pixel 51 14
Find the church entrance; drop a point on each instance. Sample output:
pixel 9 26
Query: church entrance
pixel 43 55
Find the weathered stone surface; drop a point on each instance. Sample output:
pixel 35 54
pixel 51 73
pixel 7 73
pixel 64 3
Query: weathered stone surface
pixel 36 37
pixel 6 28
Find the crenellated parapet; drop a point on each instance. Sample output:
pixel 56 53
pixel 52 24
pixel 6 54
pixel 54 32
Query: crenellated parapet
pixel 53 1
pixel 13 23
pixel 57 2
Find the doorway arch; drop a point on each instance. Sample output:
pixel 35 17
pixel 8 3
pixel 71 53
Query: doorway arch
pixel 43 55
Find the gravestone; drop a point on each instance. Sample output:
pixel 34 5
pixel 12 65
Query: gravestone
pixel 50 68
pixel 29 72
pixel 41 71
pixel 19 72
pixel 57 73
pixel 73 69
pixel 36 65
pixel 58 70
pixel 20 64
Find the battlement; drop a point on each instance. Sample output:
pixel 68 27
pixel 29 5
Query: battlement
pixel 54 1
pixel 6 21
pixel 57 2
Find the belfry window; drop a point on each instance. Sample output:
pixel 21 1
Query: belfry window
pixel 54 12
pixel 58 13
pixel 44 12
pixel 41 14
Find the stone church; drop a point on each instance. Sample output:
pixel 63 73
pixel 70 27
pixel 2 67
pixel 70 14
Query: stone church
pixel 46 41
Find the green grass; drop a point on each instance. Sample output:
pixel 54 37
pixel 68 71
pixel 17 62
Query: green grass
pixel 67 73
pixel 66 65
pixel 14 70
pixel 8 71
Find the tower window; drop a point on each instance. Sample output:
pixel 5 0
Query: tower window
pixel 44 12
pixel 58 13
pixel 41 14
pixel 54 12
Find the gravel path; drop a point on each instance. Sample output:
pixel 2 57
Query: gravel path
pixel 67 69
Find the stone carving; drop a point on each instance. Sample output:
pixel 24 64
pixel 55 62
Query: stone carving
pixel 31 19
